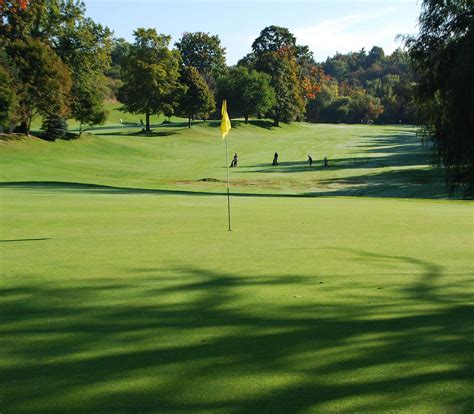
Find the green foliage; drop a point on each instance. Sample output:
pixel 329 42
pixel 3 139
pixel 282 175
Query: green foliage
pixel 387 82
pixel 150 75
pixel 197 100
pixel 85 47
pixel 119 52
pixel 248 92
pixel 283 68
pixel 272 39
pixel 60 56
pixel 8 96
pixel 89 109
pixel 54 127
pixel 275 52
pixel 442 55
pixel 44 80
pixel 204 52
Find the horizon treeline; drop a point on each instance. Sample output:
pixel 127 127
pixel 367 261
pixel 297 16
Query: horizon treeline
pixel 282 81
pixel 59 64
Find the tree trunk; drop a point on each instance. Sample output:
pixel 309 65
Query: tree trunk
pixel 276 122
pixel 23 128
pixel 246 119
pixel 147 127
pixel 189 121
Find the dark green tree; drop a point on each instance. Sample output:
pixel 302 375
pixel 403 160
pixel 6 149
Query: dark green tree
pixel 442 55
pixel 150 74
pixel 197 100
pixel 85 47
pixel 204 52
pixel 54 127
pixel 248 92
pixel 82 46
pixel 44 81
pixel 273 39
pixel 8 94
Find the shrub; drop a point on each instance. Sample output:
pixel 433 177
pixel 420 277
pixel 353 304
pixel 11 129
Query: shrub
pixel 54 127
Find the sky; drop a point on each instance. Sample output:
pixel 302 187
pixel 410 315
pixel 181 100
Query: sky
pixel 326 26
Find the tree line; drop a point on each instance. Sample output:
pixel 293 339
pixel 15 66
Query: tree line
pixel 58 64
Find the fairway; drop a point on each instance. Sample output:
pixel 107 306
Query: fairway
pixel 339 290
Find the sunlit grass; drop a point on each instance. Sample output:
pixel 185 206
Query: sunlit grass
pixel 120 297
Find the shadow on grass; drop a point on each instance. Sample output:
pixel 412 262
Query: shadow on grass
pixel 104 189
pixel 193 340
pixel 143 134
pixel 411 183
pixel 395 150
pixel 402 184
pixel 24 240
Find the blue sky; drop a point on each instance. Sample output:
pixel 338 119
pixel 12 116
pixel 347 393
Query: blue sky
pixel 326 26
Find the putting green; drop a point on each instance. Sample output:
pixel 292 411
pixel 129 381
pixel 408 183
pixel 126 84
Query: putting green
pixel 118 296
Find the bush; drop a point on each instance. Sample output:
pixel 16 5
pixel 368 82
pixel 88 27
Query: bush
pixel 54 127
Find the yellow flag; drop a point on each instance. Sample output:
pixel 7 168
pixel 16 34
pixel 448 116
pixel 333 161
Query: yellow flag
pixel 225 122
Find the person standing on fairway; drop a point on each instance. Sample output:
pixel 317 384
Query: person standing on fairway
pixel 326 162
pixel 310 160
pixel 275 159
pixel 234 161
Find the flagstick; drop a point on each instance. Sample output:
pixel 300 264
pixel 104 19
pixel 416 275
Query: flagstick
pixel 228 190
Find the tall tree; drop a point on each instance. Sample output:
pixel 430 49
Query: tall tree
pixel 60 29
pixel 442 55
pixel 204 52
pixel 44 81
pixel 275 52
pixel 272 39
pixel 197 100
pixel 150 74
pixel 8 94
pixel 85 47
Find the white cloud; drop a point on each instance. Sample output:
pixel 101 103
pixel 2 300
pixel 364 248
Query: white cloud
pixel 353 32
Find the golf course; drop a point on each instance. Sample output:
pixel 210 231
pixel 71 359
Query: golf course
pixel 346 289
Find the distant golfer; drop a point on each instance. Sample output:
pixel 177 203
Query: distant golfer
pixel 234 161
pixel 310 160
pixel 326 162
pixel 275 159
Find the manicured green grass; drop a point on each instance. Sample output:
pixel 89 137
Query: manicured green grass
pixel 385 161
pixel 122 291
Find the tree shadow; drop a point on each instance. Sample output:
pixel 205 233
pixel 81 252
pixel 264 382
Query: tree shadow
pixel 381 152
pixel 194 340
pixel 411 183
pixel 142 134
pixel 61 186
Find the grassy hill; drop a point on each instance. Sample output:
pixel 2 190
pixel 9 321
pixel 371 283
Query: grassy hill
pixel 385 161
pixel 123 291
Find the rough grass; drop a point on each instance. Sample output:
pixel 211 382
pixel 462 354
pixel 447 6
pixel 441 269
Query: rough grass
pixel 122 291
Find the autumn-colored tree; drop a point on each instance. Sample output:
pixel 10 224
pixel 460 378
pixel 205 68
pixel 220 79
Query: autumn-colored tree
pixel 275 52
pixel 283 68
